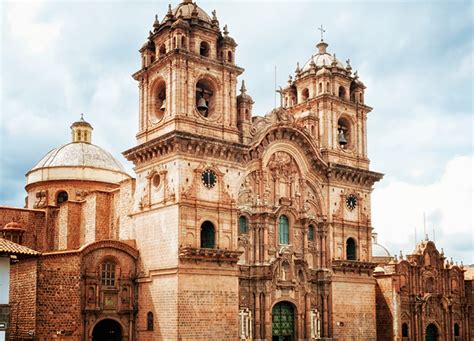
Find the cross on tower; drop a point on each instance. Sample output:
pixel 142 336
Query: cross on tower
pixel 322 31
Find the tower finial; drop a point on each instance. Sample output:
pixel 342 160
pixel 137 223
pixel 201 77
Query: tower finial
pixel 81 131
pixel 243 89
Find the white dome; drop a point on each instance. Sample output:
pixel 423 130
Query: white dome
pixel 322 58
pixel 379 251
pixel 77 161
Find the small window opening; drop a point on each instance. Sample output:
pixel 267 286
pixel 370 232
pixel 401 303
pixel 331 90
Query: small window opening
pixel 456 330
pixel 229 57
pixel 183 42
pixel 204 49
pixel 305 95
pixel 310 232
pixel 162 50
pixel 149 321
pixel 283 230
pixel 350 249
pixel 108 274
pixel 342 92
pixel 243 224
pixel 62 197
pixel 207 235
pixel 404 330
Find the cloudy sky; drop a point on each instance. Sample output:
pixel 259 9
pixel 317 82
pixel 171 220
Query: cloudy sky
pixel 62 58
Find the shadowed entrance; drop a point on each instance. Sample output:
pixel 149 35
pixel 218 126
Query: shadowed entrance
pixel 283 322
pixel 431 333
pixel 107 330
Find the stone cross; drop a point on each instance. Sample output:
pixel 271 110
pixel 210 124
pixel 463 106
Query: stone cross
pixel 322 31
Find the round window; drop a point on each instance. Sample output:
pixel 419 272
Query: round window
pixel 156 180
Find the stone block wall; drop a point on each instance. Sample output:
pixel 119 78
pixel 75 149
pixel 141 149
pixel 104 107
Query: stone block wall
pixel 208 306
pixel 353 308
pixel 59 297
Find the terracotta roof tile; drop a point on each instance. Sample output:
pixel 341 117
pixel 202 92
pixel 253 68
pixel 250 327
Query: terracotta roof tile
pixel 11 248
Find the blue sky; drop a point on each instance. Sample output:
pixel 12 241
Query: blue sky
pixel 63 58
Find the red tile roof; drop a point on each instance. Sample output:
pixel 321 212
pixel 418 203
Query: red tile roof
pixel 10 248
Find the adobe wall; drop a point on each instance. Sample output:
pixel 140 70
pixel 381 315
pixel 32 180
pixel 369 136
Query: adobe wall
pixel 23 298
pixel 353 307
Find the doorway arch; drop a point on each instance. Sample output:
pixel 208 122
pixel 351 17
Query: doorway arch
pixel 107 330
pixel 431 332
pixel 283 322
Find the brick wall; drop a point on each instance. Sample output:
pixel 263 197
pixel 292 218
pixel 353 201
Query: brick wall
pixel 23 298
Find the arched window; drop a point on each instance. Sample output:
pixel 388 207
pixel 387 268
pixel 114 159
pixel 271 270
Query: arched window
pixel 320 88
pixel 344 133
pixel 107 274
pixel 229 57
pixel 242 224
pixel 204 49
pixel 310 232
pixel 350 249
pixel 149 321
pixel 456 330
pixel 305 94
pixel 404 330
pixel 205 99
pixel 342 92
pixel 162 50
pixel 61 197
pixel 283 230
pixel 207 235
pixel 183 42
pixel 159 95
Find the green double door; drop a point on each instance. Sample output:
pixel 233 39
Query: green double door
pixel 431 333
pixel 283 320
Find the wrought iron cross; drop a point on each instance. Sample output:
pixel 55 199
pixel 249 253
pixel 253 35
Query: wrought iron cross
pixel 322 31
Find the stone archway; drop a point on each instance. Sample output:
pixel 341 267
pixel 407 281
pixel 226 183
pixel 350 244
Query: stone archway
pixel 283 322
pixel 107 330
pixel 431 333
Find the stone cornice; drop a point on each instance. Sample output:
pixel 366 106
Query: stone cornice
pixel 171 56
pixel 209 255
pixel 353 175
pixel 356 267
pixel 187 143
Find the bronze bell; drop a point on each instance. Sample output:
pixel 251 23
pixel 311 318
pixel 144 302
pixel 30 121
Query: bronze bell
pixel 341 138
pixel 163 106
pixel 201 105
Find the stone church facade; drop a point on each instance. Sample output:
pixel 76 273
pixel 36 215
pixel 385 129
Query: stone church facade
pixel 235 227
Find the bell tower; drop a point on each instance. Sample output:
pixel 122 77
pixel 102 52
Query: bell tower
pixel 333 91
pixel 188 77
pixel 188 157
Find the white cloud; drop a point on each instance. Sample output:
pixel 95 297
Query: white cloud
pixel 25 27
pixel 398 207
